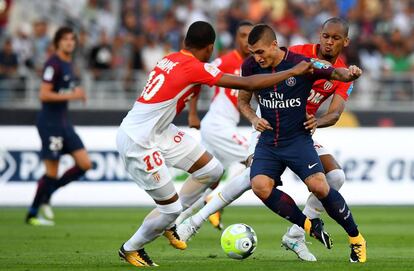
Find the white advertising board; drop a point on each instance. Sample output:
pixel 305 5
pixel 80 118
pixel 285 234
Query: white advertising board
pixel 378 162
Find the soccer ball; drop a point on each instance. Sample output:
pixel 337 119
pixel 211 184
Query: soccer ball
pixel 239 241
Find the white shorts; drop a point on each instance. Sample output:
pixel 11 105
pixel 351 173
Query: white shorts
pixel 320 150
pixel 225 143
pixel 148 167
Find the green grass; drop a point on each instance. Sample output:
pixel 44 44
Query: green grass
pixel 88 239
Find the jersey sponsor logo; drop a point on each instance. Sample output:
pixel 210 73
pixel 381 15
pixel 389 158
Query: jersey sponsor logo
pixel 166 65
pixel 315 97
pixel 291 81
pixel 328 85
pixel 48 73
pixel 312 166
pixel 276 101
pixel 211 69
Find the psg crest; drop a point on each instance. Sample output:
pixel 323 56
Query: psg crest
pixel 291 81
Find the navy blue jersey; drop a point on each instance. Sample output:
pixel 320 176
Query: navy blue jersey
pixel 284 104
pixel 59 73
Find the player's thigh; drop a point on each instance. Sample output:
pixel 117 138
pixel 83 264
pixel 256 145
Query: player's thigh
pixel 82 159
pixel 52 138
pixel 146 166
pixel 182 151
pixel 52 168
pixel 266 162
pixel 72 141
pixel 228 146
pixel 328 161
pixel 302 158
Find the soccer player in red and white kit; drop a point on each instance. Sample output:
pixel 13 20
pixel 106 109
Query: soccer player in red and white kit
pixel 333 38
pixel 149 143
pixel 219 131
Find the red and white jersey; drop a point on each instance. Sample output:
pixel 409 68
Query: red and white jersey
pixel 173 81
pixel 223 107
pixel 322 89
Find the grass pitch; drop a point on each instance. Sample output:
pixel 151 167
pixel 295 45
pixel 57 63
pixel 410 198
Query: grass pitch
pixel 88 239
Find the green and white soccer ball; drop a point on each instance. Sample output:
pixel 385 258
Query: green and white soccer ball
pixel 239 241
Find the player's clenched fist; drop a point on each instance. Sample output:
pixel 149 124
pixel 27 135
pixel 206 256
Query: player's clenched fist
pixel 354 71
pixel 261 124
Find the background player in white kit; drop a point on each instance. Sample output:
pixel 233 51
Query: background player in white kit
pixel 334 35
pixel 149 143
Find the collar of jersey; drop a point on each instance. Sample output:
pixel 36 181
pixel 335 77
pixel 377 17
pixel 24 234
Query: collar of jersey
pixel 187 53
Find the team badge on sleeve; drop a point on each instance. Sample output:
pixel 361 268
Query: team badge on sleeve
pixel 48 74
pixel 211 69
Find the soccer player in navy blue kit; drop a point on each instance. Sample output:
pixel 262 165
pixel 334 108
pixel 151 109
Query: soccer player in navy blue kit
pixel 286 143
pixel 55 128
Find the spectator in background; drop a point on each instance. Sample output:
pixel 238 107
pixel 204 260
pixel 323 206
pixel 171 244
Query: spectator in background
pixel 4 14
pixel 100 58
pixel 151 53
pixel 8 69
pixel 40 41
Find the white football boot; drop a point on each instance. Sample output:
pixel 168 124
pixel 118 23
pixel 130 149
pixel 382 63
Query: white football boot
pixel 186 230
pixel 294 240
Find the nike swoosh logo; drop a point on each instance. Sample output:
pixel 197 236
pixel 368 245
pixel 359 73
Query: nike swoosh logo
pixel 343 209
pixel 311 166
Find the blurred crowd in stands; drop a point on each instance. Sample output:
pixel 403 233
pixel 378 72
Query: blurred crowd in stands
pixel 120 41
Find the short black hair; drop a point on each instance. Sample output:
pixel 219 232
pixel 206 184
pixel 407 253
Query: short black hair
pixel 60 33
pixel 338 20
pixel 244 23
pixel 199 35
pixel 260 31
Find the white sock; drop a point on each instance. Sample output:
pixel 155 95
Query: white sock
pixel 231 191
pixel 195 206
pixel 314 207
pixel 153 226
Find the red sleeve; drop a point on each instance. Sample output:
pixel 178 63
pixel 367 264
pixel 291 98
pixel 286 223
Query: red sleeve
pixel 205 73
pixel 344 89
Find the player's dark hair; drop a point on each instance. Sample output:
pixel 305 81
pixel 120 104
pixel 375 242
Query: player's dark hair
pixel 244 23
pixel 259 32
pixel 199 35
pixel 60 33
pixel 337 20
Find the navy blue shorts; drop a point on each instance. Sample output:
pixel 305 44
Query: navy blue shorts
pixel 300 157
pixel 58 140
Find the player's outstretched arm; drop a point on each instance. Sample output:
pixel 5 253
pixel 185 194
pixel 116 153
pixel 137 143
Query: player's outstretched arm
pixel 333 113
pixel 346 75
pixel 243 102
pixel 48 95
pixel 259 81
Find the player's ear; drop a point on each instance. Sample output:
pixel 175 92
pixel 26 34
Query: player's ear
pixel 346 42
pixel 274 44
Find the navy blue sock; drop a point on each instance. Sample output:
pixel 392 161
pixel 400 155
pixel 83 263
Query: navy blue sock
pixel 283 205
pixel 44 185
pixel 70 175
pixel 337 208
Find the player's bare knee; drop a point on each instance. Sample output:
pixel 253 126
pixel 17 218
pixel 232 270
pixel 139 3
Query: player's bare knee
pixel 336 178
pixel 210 173
pixel 262 187
pixel 86 165
pixel 317 185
